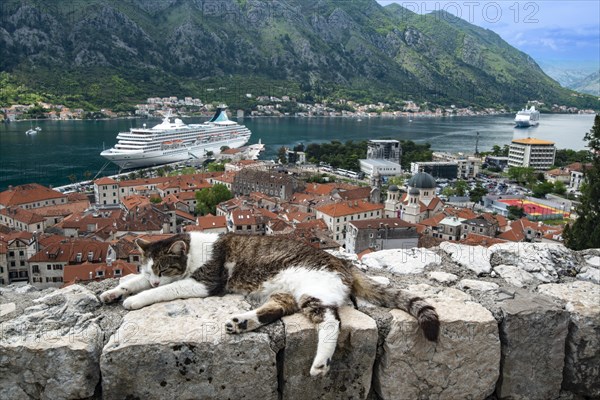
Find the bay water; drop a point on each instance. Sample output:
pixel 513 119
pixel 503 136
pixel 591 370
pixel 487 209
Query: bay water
pixel 72 149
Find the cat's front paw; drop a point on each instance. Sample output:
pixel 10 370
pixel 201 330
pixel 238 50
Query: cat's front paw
pixel 241 324
pixel 112 295
pixel 134 303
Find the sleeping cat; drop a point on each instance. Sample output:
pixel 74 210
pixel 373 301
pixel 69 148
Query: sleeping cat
pixel 287 276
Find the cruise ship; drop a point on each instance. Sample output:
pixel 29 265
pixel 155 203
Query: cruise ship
pixel 175 141
pixel 526 118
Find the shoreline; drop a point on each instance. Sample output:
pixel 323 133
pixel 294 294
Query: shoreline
pixel 355 117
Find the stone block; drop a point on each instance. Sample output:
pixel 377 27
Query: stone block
pixel 464 364
pixel 533 333
pixel 582 358
pixel 179 350
pixel 351 367
pixel 52 349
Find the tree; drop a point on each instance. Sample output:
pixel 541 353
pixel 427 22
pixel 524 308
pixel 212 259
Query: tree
pixel 215 167
pixel 541 190
pixel 584 233
pixel 209 198
pixel 525 175
pixel 477 193
pixel 281 155
pixel 449 191
pixel 396 180
pixel 515 212
pixel 559 188
pixel 461 188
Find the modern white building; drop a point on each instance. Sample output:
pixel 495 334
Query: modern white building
pixel 380 167
pixel 467 166
pixel 384 150
pixel 530 152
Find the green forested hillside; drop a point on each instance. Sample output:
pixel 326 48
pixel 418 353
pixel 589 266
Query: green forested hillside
pixel 114 53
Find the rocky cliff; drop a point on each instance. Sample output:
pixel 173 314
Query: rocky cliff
pixel 517 322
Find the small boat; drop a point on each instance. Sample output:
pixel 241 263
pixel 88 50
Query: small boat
pixel 31 132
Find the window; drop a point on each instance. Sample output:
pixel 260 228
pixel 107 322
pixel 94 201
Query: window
pixel 11 253
pixel 57 267
pixel 90 255
pixel 12 264
pixel 117 272
pixel 136 258
pixel 21 253
pixel 22 263
pixel 48 267
pixel 35 269
pixel 78 257
pixel 99 273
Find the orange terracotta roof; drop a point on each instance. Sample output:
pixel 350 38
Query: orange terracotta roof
pixel 364 253
pixel 185 215
pixel 315 224
pixel 480 240
pixel 433 221
pixel 532 141
pixel 22 215
pixel 212 222
pixel 349 208
pixel 29 193
pixel 89 271
pixel 105 181
pixel 376 223
pixel 356 194
pixel 320 188
pixel 67 251
pixel 62 209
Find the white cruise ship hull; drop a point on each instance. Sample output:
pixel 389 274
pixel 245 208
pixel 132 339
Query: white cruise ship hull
pixel 526 124
pixel 133 159
pixel 171 142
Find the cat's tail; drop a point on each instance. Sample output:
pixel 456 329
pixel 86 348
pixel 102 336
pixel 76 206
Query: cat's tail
pixel 381 295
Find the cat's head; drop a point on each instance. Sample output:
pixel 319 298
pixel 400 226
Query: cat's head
pixel 163 261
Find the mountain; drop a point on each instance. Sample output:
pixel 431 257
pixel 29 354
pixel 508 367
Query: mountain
pixel 590 85
pixel 108 52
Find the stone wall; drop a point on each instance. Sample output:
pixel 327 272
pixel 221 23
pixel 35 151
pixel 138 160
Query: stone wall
pixel 516 323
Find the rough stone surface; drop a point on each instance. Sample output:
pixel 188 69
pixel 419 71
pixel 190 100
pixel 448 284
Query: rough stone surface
pixel 515 276
pixel 533 333
pixel 352 364
pixel 481 286
pixel 179 350
pixel 443 277
pixel 463 364
pixel 52 349
pixel 545 261
pixel 589 274
pixel 582 358
pixel 475 258
pixel 7 309
pixel 401 261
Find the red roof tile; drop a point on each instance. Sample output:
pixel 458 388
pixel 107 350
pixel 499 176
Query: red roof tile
pixel 349 208
pixel 29 193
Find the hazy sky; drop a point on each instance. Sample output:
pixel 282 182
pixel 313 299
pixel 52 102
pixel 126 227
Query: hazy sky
pixel 565 32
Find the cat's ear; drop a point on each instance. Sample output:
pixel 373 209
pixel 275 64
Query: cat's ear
pixel 178 248
pixel 142 244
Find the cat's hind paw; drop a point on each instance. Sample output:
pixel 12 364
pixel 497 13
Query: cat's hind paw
pixel 320 368
pixel 241 324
